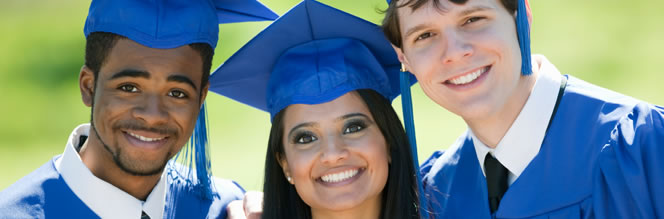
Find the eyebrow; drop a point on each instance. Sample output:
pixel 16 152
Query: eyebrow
pixel 417 28
pixel 474 9
pixel 351 115
pixel 182 79
pixel 301 125
pixel 131 73
pixel 464 12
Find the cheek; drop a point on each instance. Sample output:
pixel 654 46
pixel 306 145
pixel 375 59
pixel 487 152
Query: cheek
pixel 107 108
pixel 377 154
pixel 423 63
pixel 185 115
pixel 300 165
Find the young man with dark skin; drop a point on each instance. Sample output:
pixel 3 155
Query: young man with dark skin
pixel 146 83
pixel 540 144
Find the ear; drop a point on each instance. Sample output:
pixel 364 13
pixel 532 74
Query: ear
pixel 284 167
pixel 86 82
pixel 204 93
pixel 529 12
pixel 401 56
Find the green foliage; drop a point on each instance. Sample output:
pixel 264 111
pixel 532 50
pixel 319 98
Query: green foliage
pixel 615 44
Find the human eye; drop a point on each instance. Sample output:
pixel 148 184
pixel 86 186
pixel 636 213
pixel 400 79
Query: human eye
pixel 304 138
pixel 177 94
pixel 473 19
pixel 128 88
pixel 423 36
pixel 354 126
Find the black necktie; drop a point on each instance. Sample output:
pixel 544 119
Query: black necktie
pixel 496 180
pixel 144 216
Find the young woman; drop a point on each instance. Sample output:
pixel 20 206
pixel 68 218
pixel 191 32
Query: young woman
pixel 337 148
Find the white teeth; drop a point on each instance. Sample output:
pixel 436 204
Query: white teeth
pixel 468 78
pixel 144 138
pixel 338 177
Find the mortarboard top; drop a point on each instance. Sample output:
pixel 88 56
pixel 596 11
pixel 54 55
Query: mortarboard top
pixel 312 54
pixel 167 24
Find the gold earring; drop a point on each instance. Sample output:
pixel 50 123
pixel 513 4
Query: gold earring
pixel 403 68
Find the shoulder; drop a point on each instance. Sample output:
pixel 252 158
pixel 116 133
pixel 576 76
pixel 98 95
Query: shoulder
pixel 640 129
pixel 27 198
pixel 581 94
pixel 435 163
pixel 227 189
pixel 638 134
pixel 188 199
pixel 591 110
pixel 631 168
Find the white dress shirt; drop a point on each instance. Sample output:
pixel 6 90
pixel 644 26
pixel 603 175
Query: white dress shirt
pixel 101 197
pixel 524 138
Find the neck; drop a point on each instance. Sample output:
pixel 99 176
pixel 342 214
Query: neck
pixel 101 164
pixel 370 209
pixel 493 127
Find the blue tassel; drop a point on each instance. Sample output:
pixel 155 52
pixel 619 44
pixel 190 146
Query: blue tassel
pixel 407 108
pixel 199 140
pixel 193 159
pixel 523 32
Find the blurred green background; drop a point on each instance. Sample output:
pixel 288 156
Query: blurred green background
pixel 615 44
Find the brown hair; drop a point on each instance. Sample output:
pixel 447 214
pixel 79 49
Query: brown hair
pixel 391 21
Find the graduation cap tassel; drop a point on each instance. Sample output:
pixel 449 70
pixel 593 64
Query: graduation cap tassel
pixel 407 108
pixel 199 140
pixel 523 32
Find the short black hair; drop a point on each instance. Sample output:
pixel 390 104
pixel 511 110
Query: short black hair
pixel 390 23
pixel 99 44
pixel 399 194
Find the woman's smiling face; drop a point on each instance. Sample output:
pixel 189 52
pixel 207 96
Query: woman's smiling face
pixel 335 154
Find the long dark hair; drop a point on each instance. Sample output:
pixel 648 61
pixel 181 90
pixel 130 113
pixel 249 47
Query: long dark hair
pixel 399 195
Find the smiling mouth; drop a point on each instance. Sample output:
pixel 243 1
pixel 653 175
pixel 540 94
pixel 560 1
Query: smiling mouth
pixel 341 177
pixel 142 141
pixel 143 138
pixel 468 78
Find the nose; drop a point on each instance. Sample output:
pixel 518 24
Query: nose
pixel 334 150
pixel 457 47
pixel 151 110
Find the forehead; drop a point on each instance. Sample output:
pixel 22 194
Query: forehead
pixel 442 7
pixel 127 54
pixel 350 102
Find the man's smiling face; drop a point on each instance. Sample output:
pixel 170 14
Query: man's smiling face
pixel 465 56
pixel 145 104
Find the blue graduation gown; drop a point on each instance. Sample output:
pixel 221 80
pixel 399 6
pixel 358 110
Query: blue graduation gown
pixel 601 157
pixel 44 194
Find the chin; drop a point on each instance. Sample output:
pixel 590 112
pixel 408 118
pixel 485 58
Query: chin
pixel 475 111
pixel 338 205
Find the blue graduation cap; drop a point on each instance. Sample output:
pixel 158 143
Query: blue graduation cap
pixel 167 24
pixel 171 23
pixel 313 54
pixel 315 42
pixel 523 32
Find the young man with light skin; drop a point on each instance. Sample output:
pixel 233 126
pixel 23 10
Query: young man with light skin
pixel 539 144
pixel 146 83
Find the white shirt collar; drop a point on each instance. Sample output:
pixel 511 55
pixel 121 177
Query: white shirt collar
pixel 524 138
pixel 106 200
